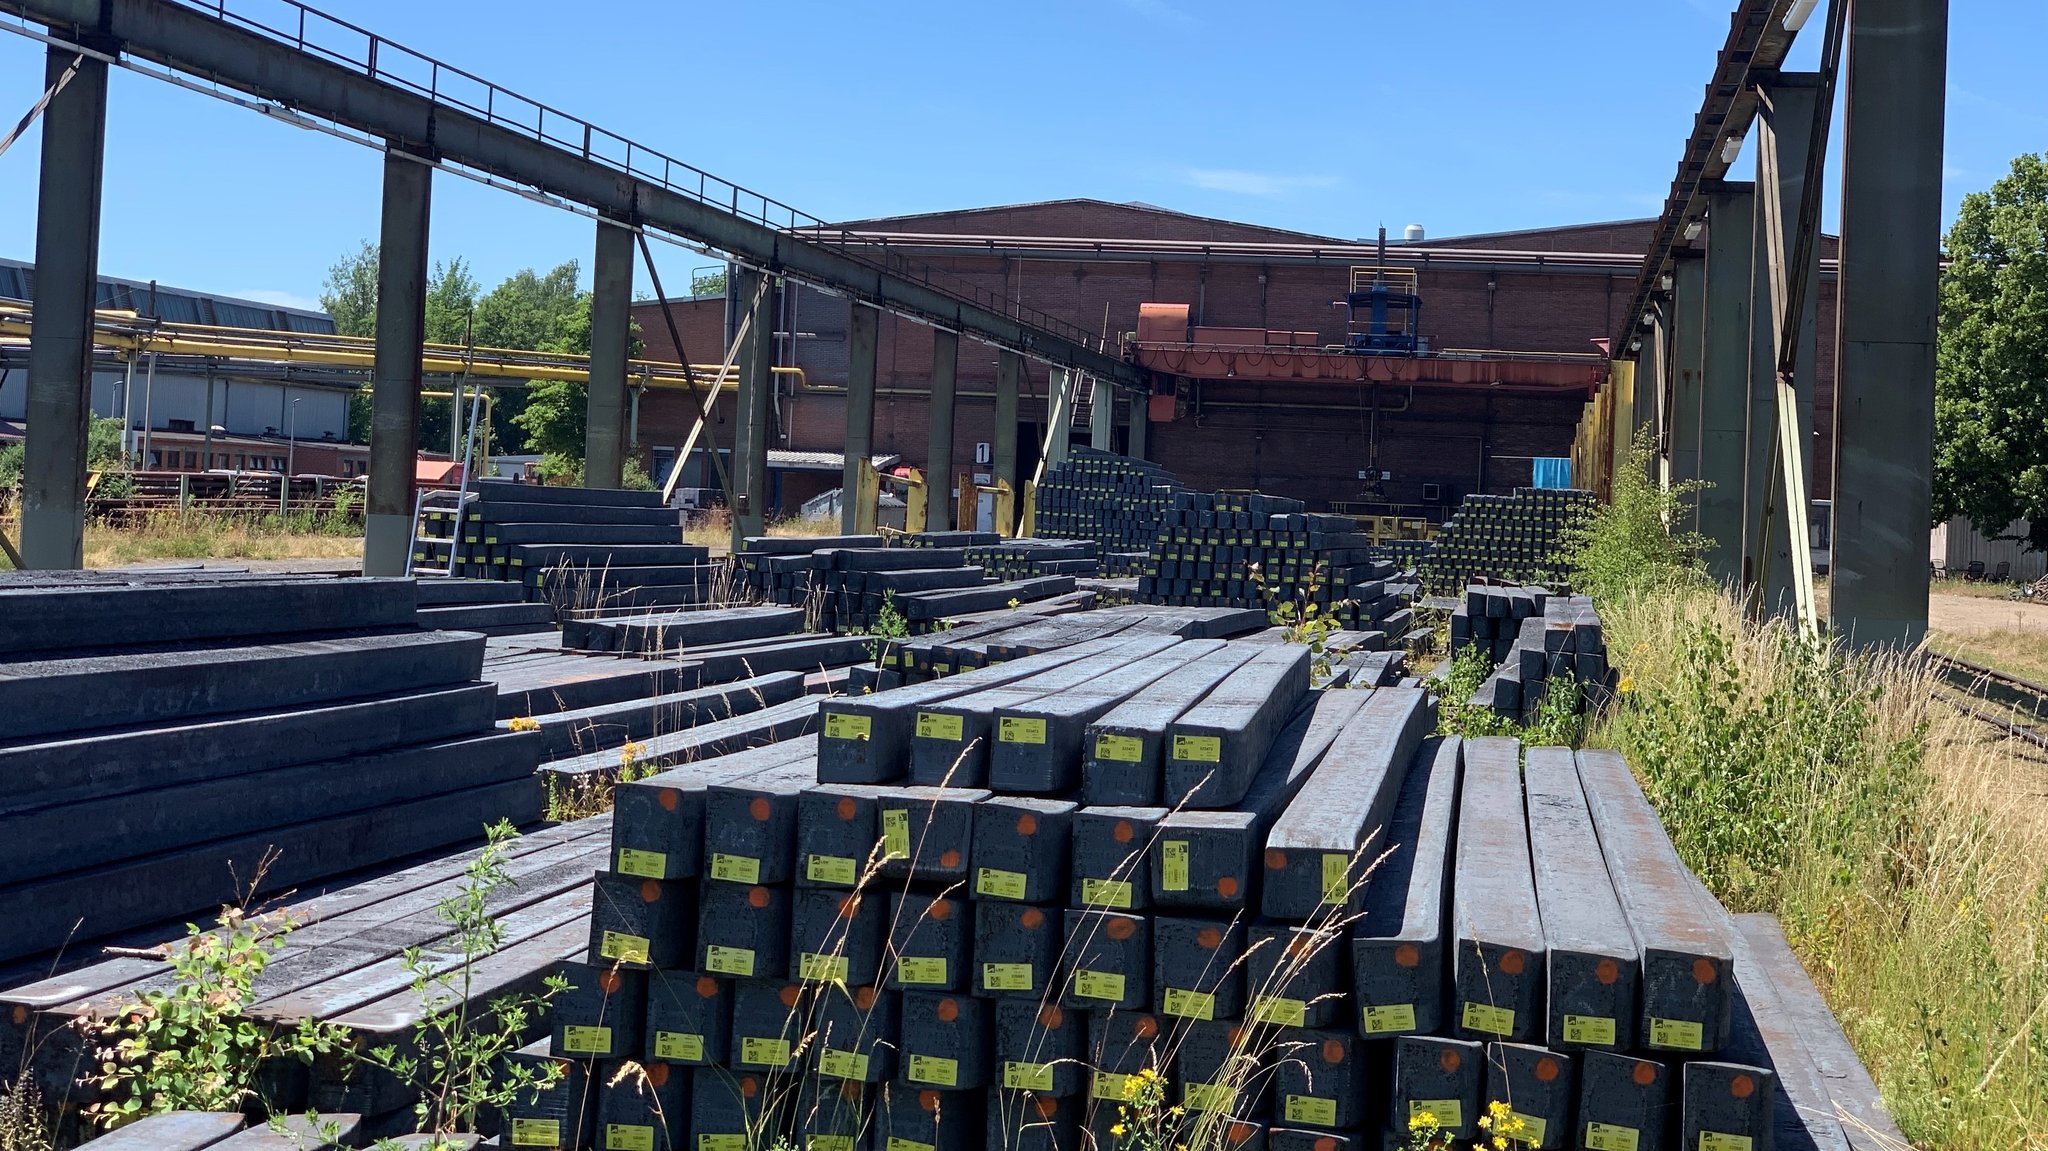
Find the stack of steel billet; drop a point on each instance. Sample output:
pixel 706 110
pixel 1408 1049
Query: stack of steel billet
pixel 856 584
pixel 1024 558
pixel 1017 633
pixel 1517 537
pixel 969 908
pixel 672 630
pixel 159 739
pixel 1535 640
pixel 955 539
pixel 343 962
pixel 1253 550
pixel 777 569
pixel 1111 500
pixel 491 607
pixel 513 531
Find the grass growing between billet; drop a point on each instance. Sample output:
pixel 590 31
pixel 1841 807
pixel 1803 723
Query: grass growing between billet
pixel 1903 845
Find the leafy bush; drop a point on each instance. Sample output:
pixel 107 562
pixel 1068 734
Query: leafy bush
pixel 1628 547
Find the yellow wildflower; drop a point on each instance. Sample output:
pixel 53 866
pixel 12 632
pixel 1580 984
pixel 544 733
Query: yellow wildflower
pixel 1117 1129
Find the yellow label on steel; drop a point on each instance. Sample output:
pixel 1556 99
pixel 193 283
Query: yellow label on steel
pixel 828 1143
pixel 1020 729
pixel 628 1137
pixel 1678 1034
pixel 1533 1128
pixel 1379 1020
pixel 536 1133
pixel 1109 1086
pixel 1099 985
pixel 815 968
pixel 1722 1141
pixel 833 869
pixel 765 1052
pixel 1198 748
pixel 729 960
pixel 1000 884
pixel 645 864
pixel 1189 1004
pixel 735 868
pixel 841 726
pixel 934 725
pixel 898 1143
pixel 679 1046
pixel 622 947
pixel 1208 1096
pixel 1105 893
pixel 924 971
pixel 896 833
pixel 1448 1113
pixel 1173 865
pixel 1027 1076
pixel 933 1070
pixel 1336 877
pixel 1311 1109
pixel 587 1040
pixel 721 1143
pixel 1592 1030
pixel 1488 1019
pixel 1008 977
pixel 1119 748
pixel 842 1064
pixel 1280 1010
pixel 1611 1137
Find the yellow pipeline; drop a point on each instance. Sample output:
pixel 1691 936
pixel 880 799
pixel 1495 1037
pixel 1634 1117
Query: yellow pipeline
pixel 123 330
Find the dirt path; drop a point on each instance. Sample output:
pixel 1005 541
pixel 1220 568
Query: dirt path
pixel 1974 615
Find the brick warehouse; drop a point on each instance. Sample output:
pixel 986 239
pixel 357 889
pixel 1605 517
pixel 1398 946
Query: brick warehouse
pixel 1092 263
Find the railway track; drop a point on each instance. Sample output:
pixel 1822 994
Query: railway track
pixel 2023 702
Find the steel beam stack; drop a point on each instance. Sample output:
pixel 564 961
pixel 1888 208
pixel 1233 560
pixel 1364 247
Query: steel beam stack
pixel 1536 642
pixel 1110 500
pixel 1245 549
pixel 583 551
pixel 161 736
pixel 1517 538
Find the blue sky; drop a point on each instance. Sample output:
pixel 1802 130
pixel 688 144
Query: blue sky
pixel 1329 116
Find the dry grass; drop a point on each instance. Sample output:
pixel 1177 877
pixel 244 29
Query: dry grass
pixel 2020 653
pixel 204 537
pixel 1904 846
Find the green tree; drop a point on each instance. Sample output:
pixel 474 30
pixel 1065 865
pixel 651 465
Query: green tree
pixel 532 312
pixel 1991 376
pixel 708 284
pixel 351 292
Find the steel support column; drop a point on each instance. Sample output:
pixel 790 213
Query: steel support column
pixel 1688 337
pixel 864 325
pixel 1141 426
pixel 1101 416
pixel 1787 132
pixel 401 330
pixel 938 472
pixel 611 326
pixel 60 348
pixel 1009 377
pixel 1724 375
pixel 1652 363
pixel 1884 365
pixel 756 408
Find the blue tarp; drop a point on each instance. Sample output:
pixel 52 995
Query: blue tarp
pixel 1550 472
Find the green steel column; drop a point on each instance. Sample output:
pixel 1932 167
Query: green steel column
pixel 611 322
pixel 864 325
pixel 1651 367
pixel 938 466
pixel 1009 375
pixel 1688 336
pixel 401 329
pixel 1789 130
pixel 1141 426
pixel 1724 375
pixel 60 347
pixel 756 409
pixel 1884 368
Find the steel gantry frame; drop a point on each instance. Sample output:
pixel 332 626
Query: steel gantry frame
pixel 314 70
pixel 1742 363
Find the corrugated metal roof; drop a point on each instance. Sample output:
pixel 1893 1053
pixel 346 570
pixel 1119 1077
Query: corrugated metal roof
pixel 180 305
pixel 820 461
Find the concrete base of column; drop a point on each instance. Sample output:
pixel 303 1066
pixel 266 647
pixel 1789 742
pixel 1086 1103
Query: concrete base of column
pixel 387 544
